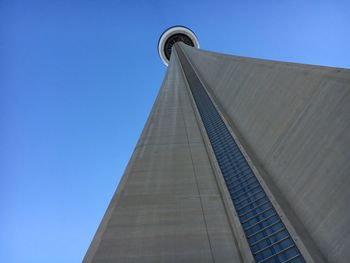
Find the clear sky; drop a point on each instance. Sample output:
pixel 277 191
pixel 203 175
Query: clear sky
pixel 77 82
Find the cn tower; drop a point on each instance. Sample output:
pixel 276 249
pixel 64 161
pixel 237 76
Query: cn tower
pixel 241 160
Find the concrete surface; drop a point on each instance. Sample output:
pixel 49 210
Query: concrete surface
pixel 168 207
pixel 294 121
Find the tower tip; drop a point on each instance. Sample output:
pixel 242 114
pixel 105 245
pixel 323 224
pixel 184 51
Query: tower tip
pixel 173 35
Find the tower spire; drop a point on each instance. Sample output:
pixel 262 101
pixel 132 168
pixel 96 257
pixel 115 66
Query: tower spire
pixel 173 35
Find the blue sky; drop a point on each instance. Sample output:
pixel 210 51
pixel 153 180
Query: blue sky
pixel 77 82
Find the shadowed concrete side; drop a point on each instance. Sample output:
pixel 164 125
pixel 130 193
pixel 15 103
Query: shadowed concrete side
pixel 168 207
pixel 294 119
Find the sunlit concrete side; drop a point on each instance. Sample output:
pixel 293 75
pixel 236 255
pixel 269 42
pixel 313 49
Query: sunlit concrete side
pixel 167 207
pixel 294 120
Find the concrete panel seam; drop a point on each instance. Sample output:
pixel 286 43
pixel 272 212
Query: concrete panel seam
pixel 199 194
pixel 229 210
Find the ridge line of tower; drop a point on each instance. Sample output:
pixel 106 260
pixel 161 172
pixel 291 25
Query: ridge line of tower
pixel 232 225
pixel 196 181
pixel 197 88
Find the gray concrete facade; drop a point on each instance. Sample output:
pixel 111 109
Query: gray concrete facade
pixel 168 207
pixel 293 121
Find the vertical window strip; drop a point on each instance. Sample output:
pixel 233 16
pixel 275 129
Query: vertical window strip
pixel 267 236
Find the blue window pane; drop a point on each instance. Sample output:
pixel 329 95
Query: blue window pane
pixel 247 201
pixel 258 218
pixel 245 186
pixel 252 205
pixel 268 231
pixel 269 239
pixel 264 223
pixel 241 197
pixel 257 210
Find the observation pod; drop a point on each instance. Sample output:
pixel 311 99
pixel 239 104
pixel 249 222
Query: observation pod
pixel 173 35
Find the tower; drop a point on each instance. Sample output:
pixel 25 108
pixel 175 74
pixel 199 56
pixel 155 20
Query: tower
pixel 241 160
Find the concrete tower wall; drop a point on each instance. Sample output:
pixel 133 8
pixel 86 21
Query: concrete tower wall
pixel 168 207
pixel 294 121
